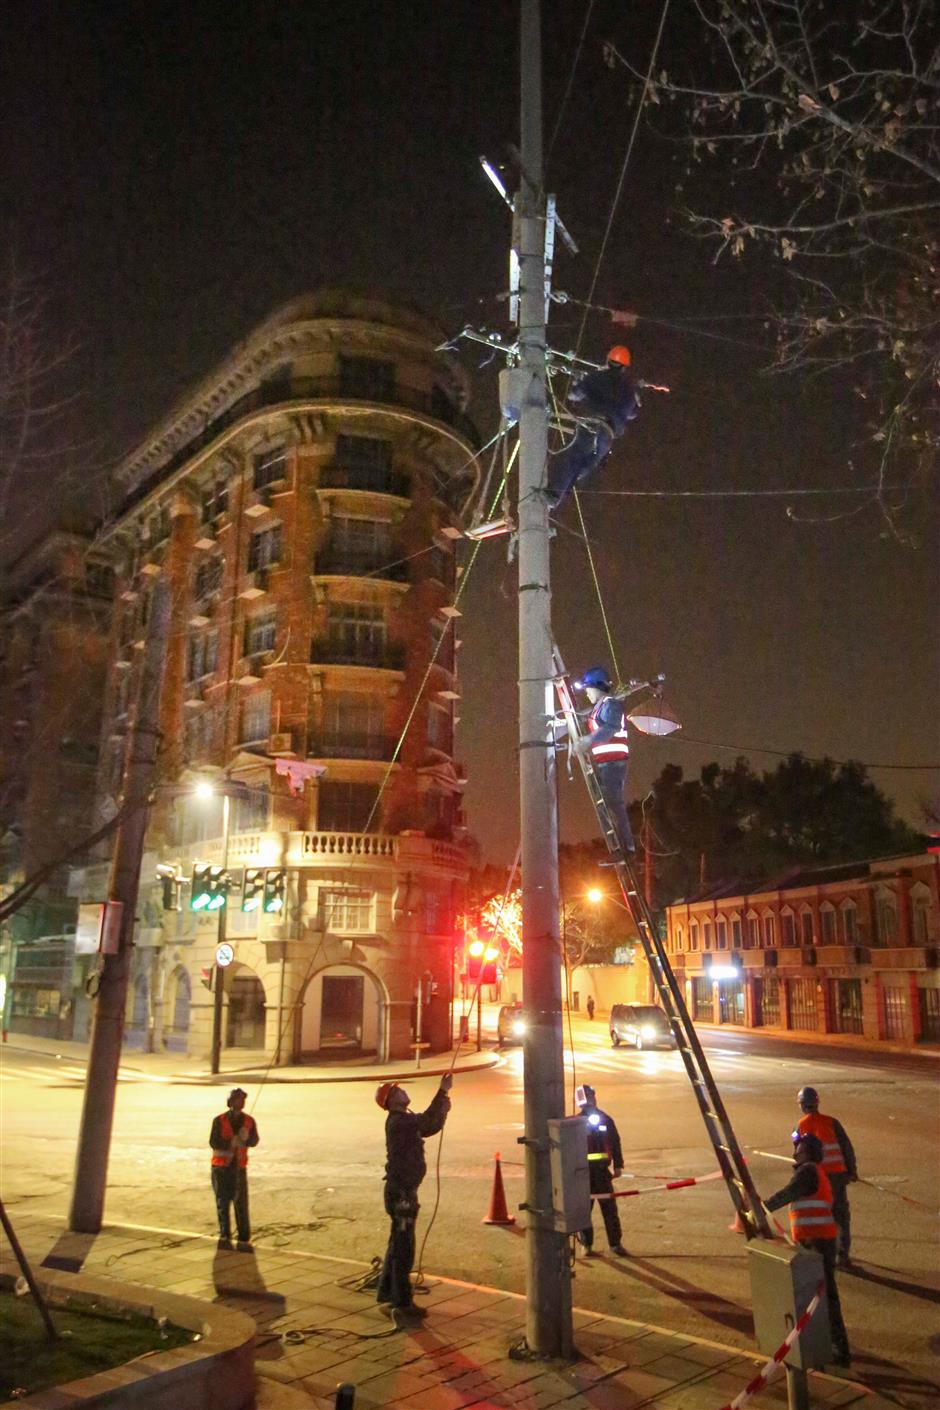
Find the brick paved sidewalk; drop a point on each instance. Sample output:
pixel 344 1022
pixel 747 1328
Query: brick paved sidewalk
pixel 458 1357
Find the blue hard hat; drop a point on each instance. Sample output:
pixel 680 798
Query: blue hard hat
pixel 596 676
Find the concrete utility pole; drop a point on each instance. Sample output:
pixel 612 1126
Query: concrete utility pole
pixel 548 1281
pixel 94 1136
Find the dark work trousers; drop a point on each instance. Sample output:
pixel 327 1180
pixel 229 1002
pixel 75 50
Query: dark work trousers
pixel 602 1183
pixel 841 1213
pixel 230 1183
pixel 840 1337
pixel 579 459
pixel 612 778
pixel 402 1207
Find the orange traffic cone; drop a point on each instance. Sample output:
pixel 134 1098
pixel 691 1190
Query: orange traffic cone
pixel 498 1213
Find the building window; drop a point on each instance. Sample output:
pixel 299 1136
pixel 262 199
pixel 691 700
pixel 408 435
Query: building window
pixel 356 632
pixel 256 718
pixel 802 1003
pixel 367 465
pixel 369 377
pixel 437 917
pixel 827 924
pixel 929 1004
pixel 440 565
pixel 366 542
pixel 770 1003
pixel 442 643
pixel 849 922
pixel 208 578
pixel 270 466
pixel 752 933
pixel 347 807
pixel 347 910
pixel 260 633
pixel 693 935
pixel 920 919
pixel 353 726
pixel 846 1005
pixel 264 551
pixel 158 526
pixel 252 810
pixel 736 933
pixel 706 935
pixel 886 920
pixel 806 927
pixel 439 728
pixel 677 946
pixel 214 501
pixel 198 737
pixel 788 929
pixel 203 655
pixel 99 579
pixel 770 932
pixel 895 1012
pixel 721 933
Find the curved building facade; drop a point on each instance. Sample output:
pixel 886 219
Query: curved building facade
pixel 297 504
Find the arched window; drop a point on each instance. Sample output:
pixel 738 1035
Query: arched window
pixel 807 929
pixel 848 917
pixel 693 935
pixel 752 931
pixel 721 933
pixel 737 938
pixel 678 938
pixel 827 923
pixel 787 927
pixel 769 926
pixel 706 935
pixel 886 917
pixel 922 918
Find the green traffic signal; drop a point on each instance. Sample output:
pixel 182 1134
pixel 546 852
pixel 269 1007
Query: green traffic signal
pixel 275 886
pixel 253 890
pixel 210 888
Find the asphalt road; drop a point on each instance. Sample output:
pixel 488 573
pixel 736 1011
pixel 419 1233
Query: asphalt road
pixel 316 1178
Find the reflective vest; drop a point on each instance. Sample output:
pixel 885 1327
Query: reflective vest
pixel 814 1124
pixel 811 1218
pixel 228 1132
pixel 617 748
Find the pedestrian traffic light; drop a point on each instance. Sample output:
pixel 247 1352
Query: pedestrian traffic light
pixel 275 888
pixel 488 970
pixel 210 888
pixel 253 891
pixel 207 976
pixel 475 958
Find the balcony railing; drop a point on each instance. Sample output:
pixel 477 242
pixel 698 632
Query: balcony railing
pixel 381 656
pixel 371 478
pixel 351 746
pixel 333 389
pixel 348 845
pixel 340 562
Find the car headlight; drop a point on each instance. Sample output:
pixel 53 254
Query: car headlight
pixel 647 1031
pixel 518 1027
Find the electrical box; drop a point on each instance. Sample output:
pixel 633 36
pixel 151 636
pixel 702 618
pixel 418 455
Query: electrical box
pixel 571 1189
pixel 783 1282
pixel 512 385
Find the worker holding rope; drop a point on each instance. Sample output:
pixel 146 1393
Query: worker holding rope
pixel 604 403
pixel 405 1168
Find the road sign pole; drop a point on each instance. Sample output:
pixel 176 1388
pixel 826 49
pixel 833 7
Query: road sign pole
pixel 218 995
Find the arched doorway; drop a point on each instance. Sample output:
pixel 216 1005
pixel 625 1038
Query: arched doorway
pixel 342 1014
pixel 244 992
pixel 176 1030
pixel 136 1034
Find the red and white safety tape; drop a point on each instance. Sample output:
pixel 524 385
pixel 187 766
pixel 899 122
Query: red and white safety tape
pixel 669 1185
pixel 768 1371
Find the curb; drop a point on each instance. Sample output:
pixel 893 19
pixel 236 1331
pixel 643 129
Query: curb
pixel 838 1042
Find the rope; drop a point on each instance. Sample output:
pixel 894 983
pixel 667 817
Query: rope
pixel 567 93
pixel 597 586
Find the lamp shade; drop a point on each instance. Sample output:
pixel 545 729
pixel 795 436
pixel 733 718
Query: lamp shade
pixel 654 716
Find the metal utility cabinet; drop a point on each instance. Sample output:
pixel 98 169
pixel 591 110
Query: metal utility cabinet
pixel 783 1282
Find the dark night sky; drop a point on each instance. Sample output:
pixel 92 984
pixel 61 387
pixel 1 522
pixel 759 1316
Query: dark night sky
pixel 177 170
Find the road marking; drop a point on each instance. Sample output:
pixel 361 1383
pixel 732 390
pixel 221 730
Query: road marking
pixel 772 1155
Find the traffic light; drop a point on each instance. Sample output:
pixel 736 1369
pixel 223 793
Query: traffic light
pixel 210 888
pixel 275 889
pixel 207 976
pixel 488 970
pixel 475 958
pixel 171 885
pixel 253 892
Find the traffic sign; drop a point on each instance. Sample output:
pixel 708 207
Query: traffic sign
pixel 224 954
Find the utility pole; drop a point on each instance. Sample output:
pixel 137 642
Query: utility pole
pixel 94 1136
pixel 218 989
pixel 648 893
pixel 548 1281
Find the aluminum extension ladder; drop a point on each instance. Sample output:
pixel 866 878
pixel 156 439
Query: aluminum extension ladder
pixel 731 1161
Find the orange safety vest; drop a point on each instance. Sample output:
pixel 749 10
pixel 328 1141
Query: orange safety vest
pixel 228 1131
pixel 612 749
pixel 811 1218
pixel 815 1124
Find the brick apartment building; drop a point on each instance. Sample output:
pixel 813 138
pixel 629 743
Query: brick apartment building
pixel 295 503
pixel 54 630
pixel 853 948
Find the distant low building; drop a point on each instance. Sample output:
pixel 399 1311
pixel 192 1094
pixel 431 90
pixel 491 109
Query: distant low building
pixel 852 948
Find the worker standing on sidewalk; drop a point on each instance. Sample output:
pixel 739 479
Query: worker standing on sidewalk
pixel 609 746
pixel 405 1168
pixel 809 1196
pixel 233 1132
pixel 838 1162
pixel 605 1164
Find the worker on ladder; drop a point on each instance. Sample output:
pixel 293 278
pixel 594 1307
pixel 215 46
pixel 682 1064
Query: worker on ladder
pixel 608 743
pixel 604 402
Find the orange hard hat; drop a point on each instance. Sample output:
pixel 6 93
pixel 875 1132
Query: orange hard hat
pixel 620 354
pixel 383 1093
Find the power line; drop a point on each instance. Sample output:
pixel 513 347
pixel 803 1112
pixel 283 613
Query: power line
pixel 735 494
pixel 682 737
pixel 567 93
